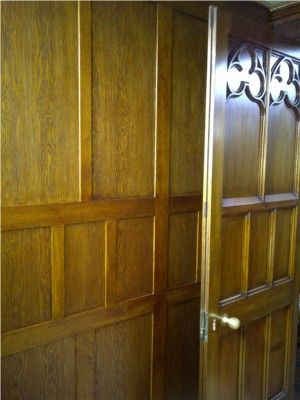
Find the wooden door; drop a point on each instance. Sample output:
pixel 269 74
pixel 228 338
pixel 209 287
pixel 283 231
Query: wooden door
pixel 102 163
pixel 252 194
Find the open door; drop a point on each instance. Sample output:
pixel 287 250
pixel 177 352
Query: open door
pixel 251 203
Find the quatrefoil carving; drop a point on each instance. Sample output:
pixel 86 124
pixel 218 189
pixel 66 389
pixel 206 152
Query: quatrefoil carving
pixel 246 74
pixel 285 84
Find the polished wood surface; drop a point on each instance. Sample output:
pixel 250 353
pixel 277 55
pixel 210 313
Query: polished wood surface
pixel 101 245
pixel 254 191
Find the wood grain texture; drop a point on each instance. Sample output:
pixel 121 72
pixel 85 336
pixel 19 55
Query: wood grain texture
pixel 258 250
pixel 254 360
pixel 26 278
pixel 232 248
pixel 85 365
pixel 85 71
pixel 134 258
pixel 182 249
pixel 282 244
pixel 277 356
pixel 123 98
pixel 187 112
pixel 42 373
pixel 57 272
pixel 123 360
pixel 281 150
pixel 39 103
pixel 84 266
pixel 183 351
pixel 241 150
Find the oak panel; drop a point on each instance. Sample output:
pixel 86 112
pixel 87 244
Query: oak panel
pixel 134 258
pixel 258 250
pixel 277 351
pixel 123 360
pixel 254 360
pixel 229 365
pixel 123 64
pixel 84 266
pixel 188 107
pixel 39 103
pixel 282 244
pixel 280 149
pixel 231 256
pixel 241 148
pixel 26 277
pixel 182 249
pixel 183 351
pixel 43 373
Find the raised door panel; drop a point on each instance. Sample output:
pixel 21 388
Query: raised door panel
pixel 187 111
pixel 43 373
pixel 123 93
pixel 40 157
pixel 25 278
pixel 281 267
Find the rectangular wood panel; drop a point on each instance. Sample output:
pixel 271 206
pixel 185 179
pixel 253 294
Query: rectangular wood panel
pixel 183 237
pixel 123 64
pixel 40 158
pixel 281 149
pixel 258 250
pixel 183 351
pixel 282 244
pixel 43 373
pixel 254 360
pixel 241 150
pixel 84 266
pixel 187 111
pixel 26 278
pixel 231 256
pixel 123 360
pixel 277 357
pixel 134 258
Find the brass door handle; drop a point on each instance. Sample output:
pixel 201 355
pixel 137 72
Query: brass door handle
pixel 231 322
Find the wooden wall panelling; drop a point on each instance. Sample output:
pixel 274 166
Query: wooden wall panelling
pixel 134 258
pixel 85 98
pixel 123 359
pixel 187 113
pixel 39 103
pixel 58 271
pixel 26 278
pixel 45 372
pixel 123 79
pixel 182 378
pixel 85 365
pixel 163 110
pixel 84 266
pixel 183 237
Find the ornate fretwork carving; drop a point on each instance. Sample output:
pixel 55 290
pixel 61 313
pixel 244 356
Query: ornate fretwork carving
pixel 285 83
pixel 246 74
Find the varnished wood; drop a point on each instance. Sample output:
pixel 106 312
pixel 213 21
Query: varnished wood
pixel 57 272
pixel 123 131
pixel 26 278
pixel 39 103
pixel 84 267
pixel 85 98
pixel 85 365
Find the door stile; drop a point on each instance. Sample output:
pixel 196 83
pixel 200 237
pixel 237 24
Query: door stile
pixel 212 194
